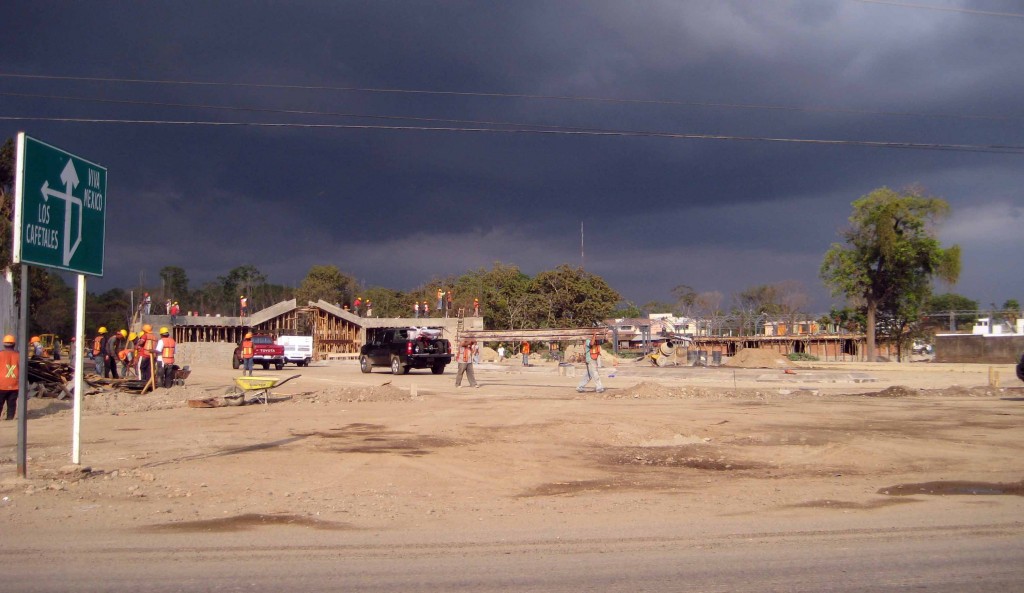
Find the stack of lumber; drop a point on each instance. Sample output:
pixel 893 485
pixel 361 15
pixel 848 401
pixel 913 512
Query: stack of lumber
pixel 47 378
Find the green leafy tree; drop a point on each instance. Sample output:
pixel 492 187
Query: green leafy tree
pixel 572 297
pixel 686 300
pixel 952 309
pixel 506 303
pixel 7 154
pixel 890 253
pixel 626 310
pixel 244 280
pixel 175 283
pixel 327 283
pixel 387 302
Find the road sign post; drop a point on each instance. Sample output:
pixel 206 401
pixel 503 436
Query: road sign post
pixel 59 222
pixel 60 214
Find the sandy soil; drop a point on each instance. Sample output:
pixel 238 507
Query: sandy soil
pixel 338 449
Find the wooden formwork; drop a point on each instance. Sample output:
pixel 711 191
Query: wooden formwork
pixel 333 335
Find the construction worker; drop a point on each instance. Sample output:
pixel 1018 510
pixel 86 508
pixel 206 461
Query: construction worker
pixel 147 349
pixel 36 347
pixel 9 360
pixel 440 298
pixel 165 358
pixel 369 308
pixel 99 344
pixel 126 355
pixel 426 309
pixel 526 354
pixel 592 356
pixel 476 307
pixel 114 345
pixel 147 303
pixel 247 354
pixel 356 304
pixel 243 305
pixel 416 309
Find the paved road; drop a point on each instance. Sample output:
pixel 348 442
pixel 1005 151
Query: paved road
pixel 948 558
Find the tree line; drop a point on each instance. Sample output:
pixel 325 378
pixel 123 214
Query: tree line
pixel 884 268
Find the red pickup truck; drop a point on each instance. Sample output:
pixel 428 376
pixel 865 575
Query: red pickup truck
pixel 265 350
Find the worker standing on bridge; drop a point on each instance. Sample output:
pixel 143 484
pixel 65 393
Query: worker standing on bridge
pixel 243 305
pixel 592 356
pixel 416 309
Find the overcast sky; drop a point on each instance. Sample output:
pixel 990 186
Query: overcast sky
pixel 398 207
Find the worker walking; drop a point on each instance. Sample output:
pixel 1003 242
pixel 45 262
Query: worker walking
pixel 465 356
pixel 592 356
pixel 247 354
pixel 9 361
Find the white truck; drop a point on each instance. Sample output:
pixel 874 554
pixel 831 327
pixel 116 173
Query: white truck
pixel 298 350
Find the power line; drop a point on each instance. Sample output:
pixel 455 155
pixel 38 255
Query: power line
pixel 993 148
pixel 614 100
pixel 943 8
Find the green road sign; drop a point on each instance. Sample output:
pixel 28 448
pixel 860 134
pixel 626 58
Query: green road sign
pixel 60 209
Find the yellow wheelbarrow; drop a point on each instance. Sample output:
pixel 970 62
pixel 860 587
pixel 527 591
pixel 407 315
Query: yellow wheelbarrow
pixel 258 387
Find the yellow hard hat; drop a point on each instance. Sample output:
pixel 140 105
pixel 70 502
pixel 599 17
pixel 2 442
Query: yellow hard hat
pixel 124 333
pixel 147 328
pixel 132 336
pixel 103 330
pixel 248 335
pixel 164 331
pixel 9 339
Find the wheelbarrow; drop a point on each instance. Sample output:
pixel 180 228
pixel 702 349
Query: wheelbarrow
pixel 258 387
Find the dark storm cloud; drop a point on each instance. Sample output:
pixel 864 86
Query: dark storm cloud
pixel 400 207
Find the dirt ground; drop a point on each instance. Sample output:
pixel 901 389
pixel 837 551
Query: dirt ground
pixel 336 449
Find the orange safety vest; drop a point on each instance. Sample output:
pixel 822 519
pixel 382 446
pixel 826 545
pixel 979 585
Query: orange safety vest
pixel 168 351
pixel 526 347
pixel 595 352
pixel 147 344
pixel 9 369
pixel 97 345
pixel 247 349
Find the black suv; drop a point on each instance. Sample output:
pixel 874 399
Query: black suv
pixel 404 348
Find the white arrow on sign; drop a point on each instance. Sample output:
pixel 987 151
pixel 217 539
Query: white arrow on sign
pixel 70 178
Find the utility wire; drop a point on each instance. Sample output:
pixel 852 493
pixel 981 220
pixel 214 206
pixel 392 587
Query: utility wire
pixel 943 8
pixel 994 148
pixel 613 100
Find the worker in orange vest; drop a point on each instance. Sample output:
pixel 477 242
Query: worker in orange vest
pixel 526 354
pixel 146 350
pixel 99 349
pixel 9 361
pixel 165 358
pixel 592 356
pixel 247 354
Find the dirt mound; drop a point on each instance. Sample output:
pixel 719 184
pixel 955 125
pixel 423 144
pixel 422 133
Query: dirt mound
pixel 894 391
pixel 488 354
pixel 575 353
pixel 377 393
pixel 652 390
pixel 757 358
